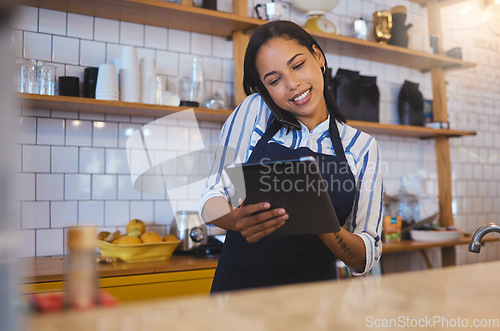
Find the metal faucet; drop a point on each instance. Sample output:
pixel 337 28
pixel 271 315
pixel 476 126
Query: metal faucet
pixel 475 243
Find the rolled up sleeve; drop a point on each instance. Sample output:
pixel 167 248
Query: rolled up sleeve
pixel 367 210
pixel 233 146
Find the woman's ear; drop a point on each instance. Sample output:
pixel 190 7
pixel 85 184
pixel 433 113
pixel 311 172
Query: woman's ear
pixel 319 55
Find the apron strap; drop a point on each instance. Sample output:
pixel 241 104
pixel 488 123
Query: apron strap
pixel 276 125
pixel 335 138
pixel 272 129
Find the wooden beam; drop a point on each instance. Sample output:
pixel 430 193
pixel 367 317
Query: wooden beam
pixel 442 149
pixel 240 43
pixel 434 22
pixel 439 104
pixel 443 166
pixel 240 7
pixel 448 256
pixel 440 113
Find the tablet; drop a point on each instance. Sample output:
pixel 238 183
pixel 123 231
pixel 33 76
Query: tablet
pixel 295 185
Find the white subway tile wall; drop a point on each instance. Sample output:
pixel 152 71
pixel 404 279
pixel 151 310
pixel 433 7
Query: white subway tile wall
pixel 37 46
pixel 91 213
pixel 65 50
pixel 63 214
pixel 52 22
pixel 155 37
pixel 73 167
pixel 80 26
pixel 92 53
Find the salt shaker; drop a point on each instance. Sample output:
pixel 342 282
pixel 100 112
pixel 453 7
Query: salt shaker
pixel 81 271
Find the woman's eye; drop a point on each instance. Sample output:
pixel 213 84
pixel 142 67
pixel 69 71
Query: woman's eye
pixel 299 65
pixel 274 81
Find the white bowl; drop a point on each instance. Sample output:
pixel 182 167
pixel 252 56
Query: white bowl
pixel 314 6
pixel 420 235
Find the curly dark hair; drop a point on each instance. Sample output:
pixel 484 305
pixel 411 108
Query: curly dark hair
pixel 292 31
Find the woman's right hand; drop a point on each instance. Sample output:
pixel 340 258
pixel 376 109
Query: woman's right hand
pixel 256 221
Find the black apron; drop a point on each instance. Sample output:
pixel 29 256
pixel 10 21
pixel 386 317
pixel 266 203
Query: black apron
pixel 277 260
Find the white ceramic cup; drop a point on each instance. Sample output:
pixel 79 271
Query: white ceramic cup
pixel 107 84
pixel 130 86
pixel 149 90
pixel 148 80
pixel 128 60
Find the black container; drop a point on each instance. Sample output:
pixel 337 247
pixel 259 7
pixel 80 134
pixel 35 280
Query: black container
pixel 411 105
pixel 187 103
pixel 69 86
pixel 399 31
pixel 210 4
pixel 357 96
pixel 89 82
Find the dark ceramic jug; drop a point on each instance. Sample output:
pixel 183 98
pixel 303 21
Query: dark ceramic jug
pixel 399 31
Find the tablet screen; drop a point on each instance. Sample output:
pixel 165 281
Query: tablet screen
pixel 295 185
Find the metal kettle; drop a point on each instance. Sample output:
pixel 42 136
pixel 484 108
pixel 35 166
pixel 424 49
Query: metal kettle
pixel 274 10
pixel 190 229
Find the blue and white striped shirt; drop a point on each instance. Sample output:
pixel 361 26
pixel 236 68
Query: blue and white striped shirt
pixel 246 125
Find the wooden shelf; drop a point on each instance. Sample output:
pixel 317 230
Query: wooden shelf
pixel 156 13
pixel 63 103
pixel 407 130
pixel 410 245
pixel 189 18
pixel 390 54
pixel 74 104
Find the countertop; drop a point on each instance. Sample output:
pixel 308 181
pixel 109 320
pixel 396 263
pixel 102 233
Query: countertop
pixel 441 298
pixel 50 269
pixel 45 269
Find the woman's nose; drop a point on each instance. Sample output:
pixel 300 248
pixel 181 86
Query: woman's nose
pixel 293 80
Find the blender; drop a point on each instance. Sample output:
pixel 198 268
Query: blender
pixel 191 88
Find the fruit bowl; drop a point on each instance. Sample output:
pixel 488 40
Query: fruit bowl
pixel 159 251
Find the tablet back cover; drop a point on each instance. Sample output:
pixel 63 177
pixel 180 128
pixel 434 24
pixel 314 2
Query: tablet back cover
pixel 295 185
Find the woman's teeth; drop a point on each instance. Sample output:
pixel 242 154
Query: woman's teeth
pixel 302 96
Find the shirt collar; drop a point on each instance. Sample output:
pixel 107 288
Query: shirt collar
pixel 320 128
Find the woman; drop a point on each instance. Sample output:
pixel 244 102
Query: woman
pixel 289 113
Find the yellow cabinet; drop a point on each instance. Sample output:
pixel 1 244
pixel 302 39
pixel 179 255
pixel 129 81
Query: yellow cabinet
pixel 141 287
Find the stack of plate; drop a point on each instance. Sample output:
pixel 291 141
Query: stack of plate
pixel 445 235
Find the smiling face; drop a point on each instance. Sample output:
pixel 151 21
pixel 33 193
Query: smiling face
pixel 293 78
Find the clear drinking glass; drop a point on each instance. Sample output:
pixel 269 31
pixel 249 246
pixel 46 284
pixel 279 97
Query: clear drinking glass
pixel 46 75
pixel 25 76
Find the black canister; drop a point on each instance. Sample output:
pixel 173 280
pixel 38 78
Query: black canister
pixel 210 4
pixel 89 82
pixel 69 86
pixel 357 96
pixel 410 104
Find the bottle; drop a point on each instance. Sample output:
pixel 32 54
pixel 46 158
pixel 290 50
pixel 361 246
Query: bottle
pixel 81 271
